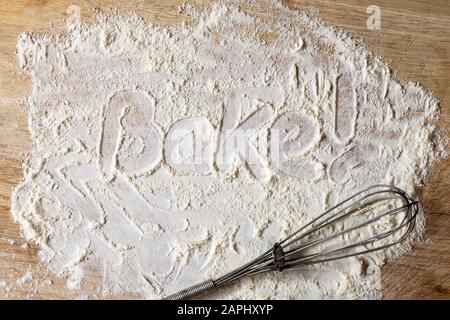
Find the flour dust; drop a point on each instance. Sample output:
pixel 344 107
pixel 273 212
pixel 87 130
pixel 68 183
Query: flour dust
pixel 115 100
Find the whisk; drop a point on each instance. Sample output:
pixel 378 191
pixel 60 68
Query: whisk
pixel 386 213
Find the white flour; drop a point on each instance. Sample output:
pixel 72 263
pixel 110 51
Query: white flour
pixel 27 277
pixel 102 192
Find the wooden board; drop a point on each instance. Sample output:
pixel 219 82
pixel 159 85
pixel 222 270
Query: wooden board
pixel 414 37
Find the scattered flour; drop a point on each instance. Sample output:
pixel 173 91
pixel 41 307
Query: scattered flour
pixel 75 277
pixel 5 288
pixel 25 246
pixel 102 188
pixel 26 278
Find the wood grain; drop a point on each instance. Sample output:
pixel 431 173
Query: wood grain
pixel 414 37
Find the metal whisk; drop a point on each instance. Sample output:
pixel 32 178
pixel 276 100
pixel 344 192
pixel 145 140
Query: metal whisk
pixel 385 212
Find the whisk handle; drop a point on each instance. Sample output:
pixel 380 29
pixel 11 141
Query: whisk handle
pixel 197 290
